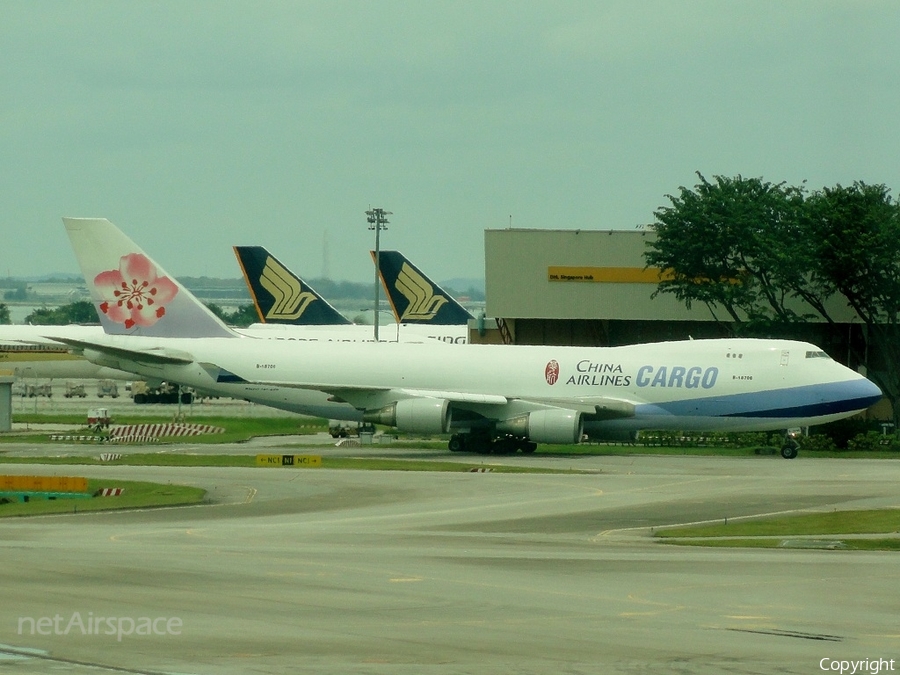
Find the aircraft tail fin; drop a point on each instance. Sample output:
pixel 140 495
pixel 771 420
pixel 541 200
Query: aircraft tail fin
pixel 132 293
pixel 280 296
pixel 414 297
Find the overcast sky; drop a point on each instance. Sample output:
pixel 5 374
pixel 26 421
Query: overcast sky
pixel 195 126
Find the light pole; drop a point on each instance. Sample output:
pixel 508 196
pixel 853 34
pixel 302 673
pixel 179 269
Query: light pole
pixel 377 221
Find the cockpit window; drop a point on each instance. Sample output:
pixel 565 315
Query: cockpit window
pixel 817 355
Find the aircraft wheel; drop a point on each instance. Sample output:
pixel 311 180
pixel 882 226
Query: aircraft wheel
pixel 789 450
pixel 480 445
pixel 456 443
pixel 528 447
pixel 504 446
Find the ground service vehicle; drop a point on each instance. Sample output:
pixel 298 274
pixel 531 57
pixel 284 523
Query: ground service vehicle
pixel 75 390
pixel 107 388
pixel 141 393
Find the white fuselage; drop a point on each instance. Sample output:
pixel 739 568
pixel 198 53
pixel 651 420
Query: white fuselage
pixel 26 351
pixel 693 385
pixel 391 332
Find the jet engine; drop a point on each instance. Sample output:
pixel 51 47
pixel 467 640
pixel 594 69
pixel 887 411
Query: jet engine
pixel 545 426
pixel 415 415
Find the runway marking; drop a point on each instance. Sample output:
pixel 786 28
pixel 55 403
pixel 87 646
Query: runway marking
pixel 26 653
pixel 662 608
pixel 789 633
pixel 630 615
pixel 710 521
pixel 405 580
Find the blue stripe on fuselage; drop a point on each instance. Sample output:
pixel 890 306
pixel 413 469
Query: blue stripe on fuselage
pixel 806 401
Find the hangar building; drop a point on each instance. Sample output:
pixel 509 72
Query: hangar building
pixel 590 287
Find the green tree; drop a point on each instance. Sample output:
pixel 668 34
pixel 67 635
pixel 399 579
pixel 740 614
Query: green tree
pixel 854 239
pixel 764 258
pixel 4 314
pixel 729 244
pixel 20 293
pixel 42 316
pixel 217 310
pixel 242 317
pixel 80 312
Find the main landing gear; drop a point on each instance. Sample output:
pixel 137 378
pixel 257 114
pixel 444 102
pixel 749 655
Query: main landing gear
pixel 789 449
pixel 790 446
pixel 484 444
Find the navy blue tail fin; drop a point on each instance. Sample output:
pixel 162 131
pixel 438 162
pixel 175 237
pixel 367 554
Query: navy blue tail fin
pixel 414 297
pixel 280 296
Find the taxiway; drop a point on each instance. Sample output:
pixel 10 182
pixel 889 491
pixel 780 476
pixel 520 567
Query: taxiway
pixel 327 571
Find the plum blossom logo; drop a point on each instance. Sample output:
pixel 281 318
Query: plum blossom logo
pixel 133 294
pixel 551 372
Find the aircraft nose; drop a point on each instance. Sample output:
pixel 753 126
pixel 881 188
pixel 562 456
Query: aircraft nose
pixel 871 392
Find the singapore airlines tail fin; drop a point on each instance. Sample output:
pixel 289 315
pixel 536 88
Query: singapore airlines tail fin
pixel 280 296
pixel 414 297
pixel 132 293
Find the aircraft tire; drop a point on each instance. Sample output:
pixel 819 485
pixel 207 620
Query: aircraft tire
pixel 789 451
pixel 456 443
pixel 504 447
pixel 480 445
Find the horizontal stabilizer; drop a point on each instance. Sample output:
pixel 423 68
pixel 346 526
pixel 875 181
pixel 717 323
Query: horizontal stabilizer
pixel 154 355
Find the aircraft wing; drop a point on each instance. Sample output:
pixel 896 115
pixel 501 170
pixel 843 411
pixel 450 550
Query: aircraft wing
pixel 154 355
pixel 366 397
pixel 362 395
pixel 596 407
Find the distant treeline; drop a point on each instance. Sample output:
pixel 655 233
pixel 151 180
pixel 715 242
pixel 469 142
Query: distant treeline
pixel 83 312
pixel 213 288
pixel 327 288
pixel 79 312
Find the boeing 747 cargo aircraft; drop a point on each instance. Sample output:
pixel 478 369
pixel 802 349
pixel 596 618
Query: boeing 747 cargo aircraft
pixel 489 397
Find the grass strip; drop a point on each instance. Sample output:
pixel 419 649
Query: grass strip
pixel 237 429
pixel 359 463
pixel 137 494
pixel 875 521
pixel 848 544
pixel 376 464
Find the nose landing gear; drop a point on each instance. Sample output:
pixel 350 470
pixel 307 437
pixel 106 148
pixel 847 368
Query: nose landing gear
pixel 790 446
